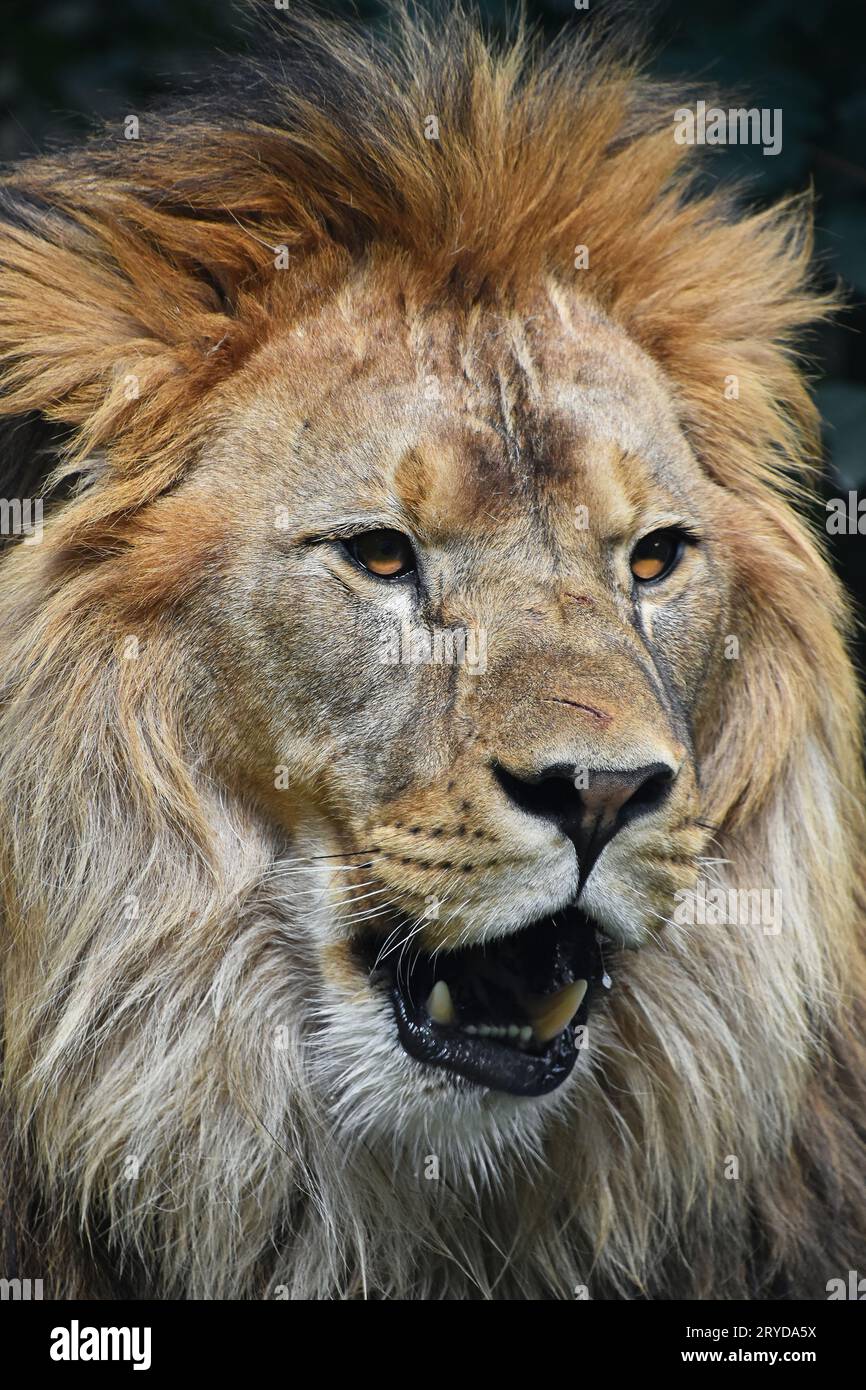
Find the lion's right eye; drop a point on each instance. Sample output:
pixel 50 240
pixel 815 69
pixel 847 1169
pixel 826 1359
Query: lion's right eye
pixel 657 554
pixel 385 553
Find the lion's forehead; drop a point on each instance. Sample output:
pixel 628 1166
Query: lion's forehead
pixel 470 423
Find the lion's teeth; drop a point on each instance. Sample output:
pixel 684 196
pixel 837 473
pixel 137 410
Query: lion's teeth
pixel 550 1013
pixel 440 1006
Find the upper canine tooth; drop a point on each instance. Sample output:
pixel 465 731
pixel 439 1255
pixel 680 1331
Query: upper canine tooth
pixel 551 1012
pixel 439 1005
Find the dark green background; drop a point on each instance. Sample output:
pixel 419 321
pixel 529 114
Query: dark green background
pixel 65 61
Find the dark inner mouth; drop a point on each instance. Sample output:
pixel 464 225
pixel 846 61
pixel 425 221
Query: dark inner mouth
pixel 503 1015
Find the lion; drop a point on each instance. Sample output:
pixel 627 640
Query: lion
pixel 431 797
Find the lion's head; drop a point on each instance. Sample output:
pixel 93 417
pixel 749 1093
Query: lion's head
pixel 430 780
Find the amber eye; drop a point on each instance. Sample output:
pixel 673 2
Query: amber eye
pixel 385 553
pixel 657 554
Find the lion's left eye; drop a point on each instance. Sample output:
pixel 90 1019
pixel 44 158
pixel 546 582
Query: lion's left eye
pixel 657 554
pixel 385 553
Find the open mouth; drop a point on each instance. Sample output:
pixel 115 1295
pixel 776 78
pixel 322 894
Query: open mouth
pixel 503 1015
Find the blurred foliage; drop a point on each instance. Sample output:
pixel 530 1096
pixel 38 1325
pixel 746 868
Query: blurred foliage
pixel 66 61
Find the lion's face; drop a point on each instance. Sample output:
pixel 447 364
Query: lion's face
pixel 459 637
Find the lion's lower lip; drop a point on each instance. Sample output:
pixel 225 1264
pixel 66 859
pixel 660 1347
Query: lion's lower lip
pixel 489 1063
pixel 504 1015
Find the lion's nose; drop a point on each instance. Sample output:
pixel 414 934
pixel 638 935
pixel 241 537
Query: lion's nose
pixel 588 806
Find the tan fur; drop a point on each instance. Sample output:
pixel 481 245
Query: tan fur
pixel 202 1094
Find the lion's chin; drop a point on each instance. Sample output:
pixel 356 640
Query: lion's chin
pixel 506 1015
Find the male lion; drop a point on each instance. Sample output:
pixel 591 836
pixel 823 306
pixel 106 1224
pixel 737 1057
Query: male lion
pixel 422 634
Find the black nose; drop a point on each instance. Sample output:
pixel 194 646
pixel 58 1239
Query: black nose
pixel 588 806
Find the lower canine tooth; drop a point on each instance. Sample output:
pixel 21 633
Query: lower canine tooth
pixel 439 1005
pixel 550 1013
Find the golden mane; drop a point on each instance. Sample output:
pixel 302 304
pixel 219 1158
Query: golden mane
pixel 171 239
pixel 153 260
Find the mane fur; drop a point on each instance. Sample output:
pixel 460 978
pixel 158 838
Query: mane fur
pixel 149 1144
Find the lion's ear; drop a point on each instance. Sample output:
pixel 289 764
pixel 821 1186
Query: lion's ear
pixel 113 321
